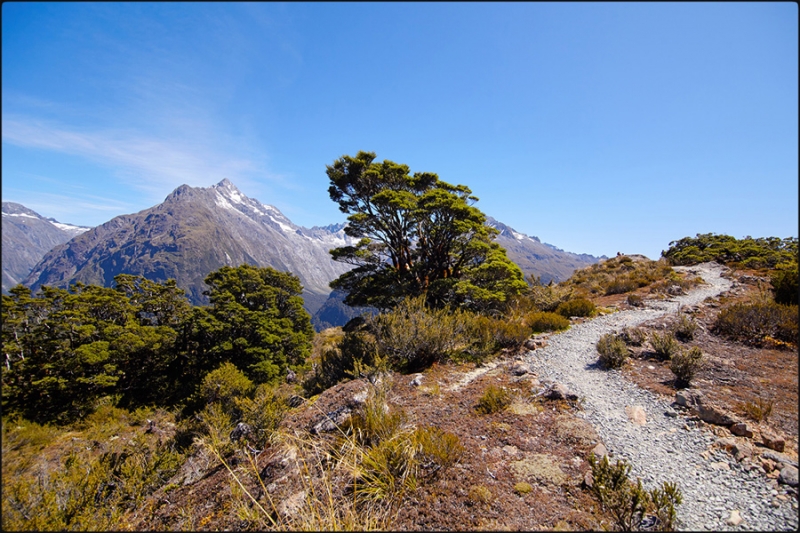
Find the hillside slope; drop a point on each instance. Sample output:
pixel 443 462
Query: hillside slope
pixel 192 233
pixel 27 237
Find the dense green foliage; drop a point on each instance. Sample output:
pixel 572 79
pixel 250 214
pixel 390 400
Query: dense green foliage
pixel 419 236
pixel 748 252
pixel 66 349
pixel 142 343
pixel 255 320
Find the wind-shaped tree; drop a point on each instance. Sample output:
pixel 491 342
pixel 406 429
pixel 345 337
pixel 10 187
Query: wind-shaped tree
pixel 419 235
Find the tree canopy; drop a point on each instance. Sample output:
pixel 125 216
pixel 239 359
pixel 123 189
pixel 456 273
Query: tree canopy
pixel 418 236
pixel 256 321
pixel 141 341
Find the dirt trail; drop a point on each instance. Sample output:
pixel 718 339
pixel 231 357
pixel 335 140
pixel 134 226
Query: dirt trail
pixel 666 448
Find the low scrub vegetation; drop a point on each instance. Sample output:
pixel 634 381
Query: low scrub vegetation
pixel 758 409
pixel 494 399
pixel 580 307
pixel 547 297
pixel 543 321
pixel 81 485
pixel 633 336
pixel 629 503
pixel 684 328
pixel 758 322
pixel 664 345
pixel 613 351
pixel 622 274
pixel 684 364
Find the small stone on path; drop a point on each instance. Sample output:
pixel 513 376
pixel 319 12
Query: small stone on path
pixel 735 519
pixel 636 415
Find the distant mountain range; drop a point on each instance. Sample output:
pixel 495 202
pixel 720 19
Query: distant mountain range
pixel 27 237
pixel 537 258
pixel 198 230
pixel 192 233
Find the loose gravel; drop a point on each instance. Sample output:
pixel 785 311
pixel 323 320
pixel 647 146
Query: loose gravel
pixel 666 448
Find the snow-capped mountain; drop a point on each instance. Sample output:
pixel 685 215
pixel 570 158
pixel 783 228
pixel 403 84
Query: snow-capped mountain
pixel 537 258
pixel 192 233
pixel 27 237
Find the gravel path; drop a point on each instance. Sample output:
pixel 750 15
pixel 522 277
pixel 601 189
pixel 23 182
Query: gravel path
pixel 665 448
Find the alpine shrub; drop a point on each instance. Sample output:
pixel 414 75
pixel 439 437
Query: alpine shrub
pixel 684 328
pixel 752 323
pixel 613 351
pixel 540 322
pixel 494 399
pixel 628 502
pixel 685 364
pixel 785 285
pixel 576 307
pixel 633 336
pixel 665 346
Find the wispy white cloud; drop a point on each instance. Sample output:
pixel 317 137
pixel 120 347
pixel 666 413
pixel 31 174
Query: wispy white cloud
pixel 152 164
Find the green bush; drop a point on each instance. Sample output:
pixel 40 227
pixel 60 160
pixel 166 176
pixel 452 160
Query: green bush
pixel 263 413
pixel 756 323
pixel 747 252
pixel 225 384
pixel 540 322
pixel 494 399
pixel 509 334
pixel 413 336
pixel 685 364
pixel 613 351
pixel 341 357
pixel 629 503
pixel 785 285
pixel 576 307
pixel 622 284
pixel 684 328
pixel 664 346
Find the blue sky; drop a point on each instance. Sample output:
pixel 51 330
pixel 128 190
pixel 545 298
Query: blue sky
pixel 597 127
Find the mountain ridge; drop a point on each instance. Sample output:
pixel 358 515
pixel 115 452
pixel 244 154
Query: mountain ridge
pixel 27 237
pixel 197 230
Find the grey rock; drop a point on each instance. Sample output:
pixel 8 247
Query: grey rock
pixel 778 458
pixel 600 450
pixel 331 421
pixel 788 476
pixel 241 430
pixel 688 398
pixel 557 391
pixel 713 414
pixel 417 381
pixel 519 369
